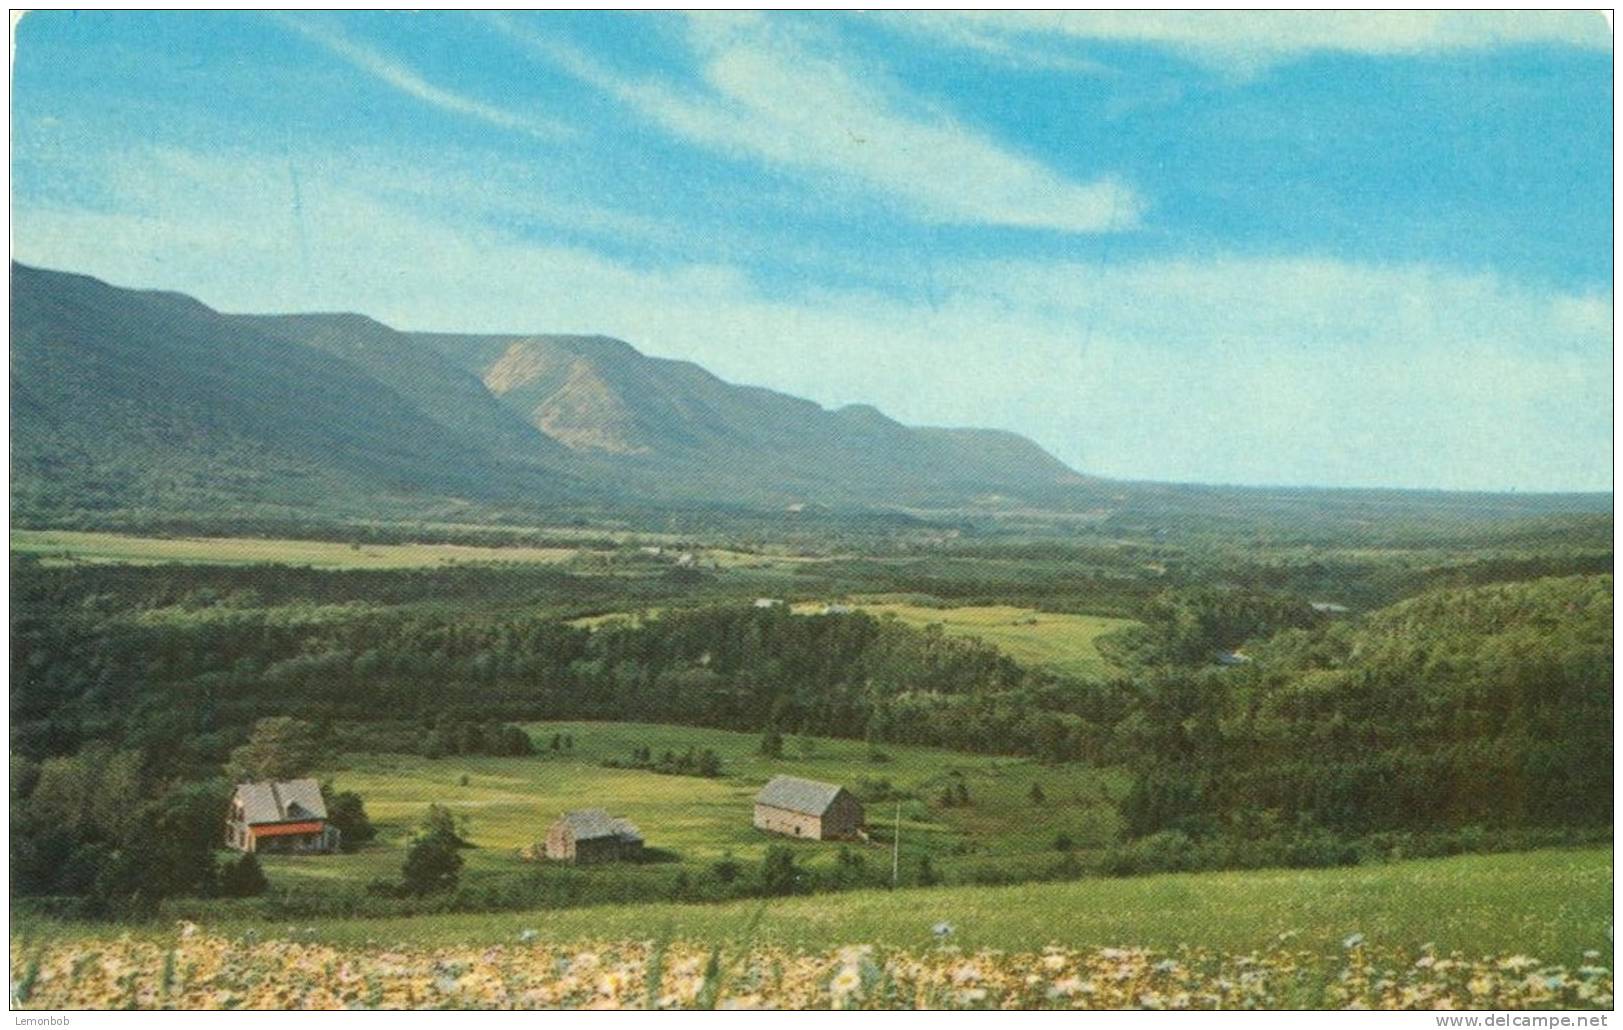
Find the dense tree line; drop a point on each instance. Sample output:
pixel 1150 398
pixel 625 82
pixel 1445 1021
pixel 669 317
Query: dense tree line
pixel 185 689
pixel 1488 707
pixel 1189 628
pixel 108 833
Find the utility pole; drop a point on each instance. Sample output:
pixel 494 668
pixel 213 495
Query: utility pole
pixel 896 847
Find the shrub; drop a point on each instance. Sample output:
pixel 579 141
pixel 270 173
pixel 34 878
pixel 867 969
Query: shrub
pixel 347 812
pixel 243 878
pixel 773 743
pixel 1166 851
pixel 779 873
pixel 726 868
pixel 439 821
pixel 432 864
pixel 928 877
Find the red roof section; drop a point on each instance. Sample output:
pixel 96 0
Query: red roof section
pixel 286 829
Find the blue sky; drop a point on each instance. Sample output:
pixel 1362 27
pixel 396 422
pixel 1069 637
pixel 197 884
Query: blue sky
pixel 1325 249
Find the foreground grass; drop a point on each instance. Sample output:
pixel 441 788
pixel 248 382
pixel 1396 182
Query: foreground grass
pixel 191 968
pixel 63 547
pixel 1553 904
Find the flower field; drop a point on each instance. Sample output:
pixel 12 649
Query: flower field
pixel 195 969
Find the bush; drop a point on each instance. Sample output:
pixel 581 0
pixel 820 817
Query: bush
pixel 243 878
pixel 779 873
pixel 871 791
pixel 347 812
pixel 1163 852
pixel 439 821
pixel 432 864
pixel 772 744
pixel 928 877
pixel 726 868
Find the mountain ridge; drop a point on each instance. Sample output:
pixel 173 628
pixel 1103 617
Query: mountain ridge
pixel 151 399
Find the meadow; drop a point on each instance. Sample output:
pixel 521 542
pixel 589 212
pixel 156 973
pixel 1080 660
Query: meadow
pixel 594 556
pixel 1552 904
pixel 507 804
pixel 1058 641
pixel 1062 642
pixel 62 547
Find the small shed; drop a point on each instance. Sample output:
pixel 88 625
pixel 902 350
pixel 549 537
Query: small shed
pixel 809 809
pixel 280 815
pixel 592 835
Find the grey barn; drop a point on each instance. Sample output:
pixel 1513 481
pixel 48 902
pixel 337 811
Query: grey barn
pixel 808 808
pixel 592 835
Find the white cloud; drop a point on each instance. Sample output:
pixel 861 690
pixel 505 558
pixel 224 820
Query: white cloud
pixel 405 79
pixel 1246 41
pixel 771 96
pixel 1232 369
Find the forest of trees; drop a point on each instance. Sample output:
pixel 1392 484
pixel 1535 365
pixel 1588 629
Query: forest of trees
pixel 185 689
pixel 1488 707
pixel 1484 708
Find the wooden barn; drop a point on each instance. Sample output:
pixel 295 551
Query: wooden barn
pixel 286 815
pixel 592 835
pixel 807 808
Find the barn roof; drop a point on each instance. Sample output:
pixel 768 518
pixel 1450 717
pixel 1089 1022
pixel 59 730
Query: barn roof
pixel 593 823
pixel 273 801
pixel 793 794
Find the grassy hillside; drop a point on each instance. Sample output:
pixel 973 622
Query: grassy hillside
pixel 509 802
pixel 1553 904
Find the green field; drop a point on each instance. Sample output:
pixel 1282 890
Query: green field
pixel 60 546
pixel 1062 642
pixel 509 802
pixel 1553 904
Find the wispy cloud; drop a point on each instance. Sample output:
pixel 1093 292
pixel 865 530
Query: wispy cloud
pixel 1248 41
pixel 769 95
pixel 404 78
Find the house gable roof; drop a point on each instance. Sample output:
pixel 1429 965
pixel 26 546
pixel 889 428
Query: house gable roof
pixel 793 794
pixel 273 801
pixel 596 823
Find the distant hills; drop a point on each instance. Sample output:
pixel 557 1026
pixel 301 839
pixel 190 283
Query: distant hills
pixel 144 401
pixel 134 407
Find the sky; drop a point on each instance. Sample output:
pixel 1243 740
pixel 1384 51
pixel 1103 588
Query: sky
pixel 1328 249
